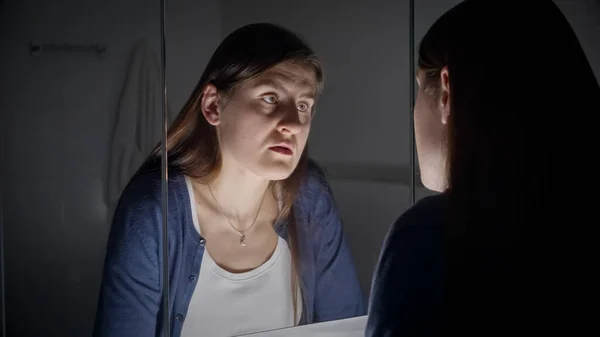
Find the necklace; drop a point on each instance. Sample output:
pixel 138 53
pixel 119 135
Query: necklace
pixel 241 233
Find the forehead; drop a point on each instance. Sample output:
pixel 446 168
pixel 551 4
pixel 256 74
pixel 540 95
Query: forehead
pixel 290 75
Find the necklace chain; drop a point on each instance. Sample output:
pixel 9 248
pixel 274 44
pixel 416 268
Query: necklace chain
pixel 241 233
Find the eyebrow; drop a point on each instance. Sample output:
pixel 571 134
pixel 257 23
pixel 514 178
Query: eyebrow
pixel 269 83
pixel 278 86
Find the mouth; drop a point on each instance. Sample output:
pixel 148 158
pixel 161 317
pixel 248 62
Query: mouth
pixel 284 149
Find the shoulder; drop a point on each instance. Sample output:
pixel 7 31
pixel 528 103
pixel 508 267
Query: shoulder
pixel 146 187
pixel 427 212
pixel 315 180
pixel 142 197
pixel 314 184
pixel 137 221
pixel 414 241
pixel 315 194
pixel 142 191
pixel 419 226
pixel 407 284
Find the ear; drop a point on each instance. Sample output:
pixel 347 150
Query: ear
pixel 445 94
pixel 210 104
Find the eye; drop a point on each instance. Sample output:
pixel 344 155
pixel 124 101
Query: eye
pixel 271 99
pixel 302 107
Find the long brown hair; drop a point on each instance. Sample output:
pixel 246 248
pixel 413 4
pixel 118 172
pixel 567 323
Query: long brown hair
pixel 516 73
pixel 192 144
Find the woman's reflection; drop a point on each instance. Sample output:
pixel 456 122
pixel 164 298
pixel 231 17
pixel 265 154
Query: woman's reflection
pixel 255 239
pixel 503 88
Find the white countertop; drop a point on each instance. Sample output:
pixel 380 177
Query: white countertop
pixel 350 327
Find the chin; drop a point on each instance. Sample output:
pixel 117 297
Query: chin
pixel 276 174
pixel 276 170
pixel 428 185
pixel 431 184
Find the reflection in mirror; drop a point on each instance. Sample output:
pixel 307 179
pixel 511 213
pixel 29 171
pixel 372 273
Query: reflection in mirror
pixel 80 110
pixel 252 218
pixel 497 117
pixel 358 136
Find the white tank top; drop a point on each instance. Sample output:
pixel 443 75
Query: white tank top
pixel 228 304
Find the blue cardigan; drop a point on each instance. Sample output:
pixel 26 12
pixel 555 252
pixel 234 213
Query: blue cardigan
pixel 130 301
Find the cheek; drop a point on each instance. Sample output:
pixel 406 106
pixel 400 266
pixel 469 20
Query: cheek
pixel 428 127
pixel 302 136
pixel 243 121
pixel 236 131
pixel 420 111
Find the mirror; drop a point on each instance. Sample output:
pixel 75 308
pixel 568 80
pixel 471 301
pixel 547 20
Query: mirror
pixel 79 115
pixel 360 136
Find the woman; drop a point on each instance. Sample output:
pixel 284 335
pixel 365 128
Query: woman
pixel 255 240
pixel 503 91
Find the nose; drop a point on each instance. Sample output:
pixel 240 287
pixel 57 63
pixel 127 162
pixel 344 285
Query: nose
pixel 290 122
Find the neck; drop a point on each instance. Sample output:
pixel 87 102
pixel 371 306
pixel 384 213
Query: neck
pixel 238 192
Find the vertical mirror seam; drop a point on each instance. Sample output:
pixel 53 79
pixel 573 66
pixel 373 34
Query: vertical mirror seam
pixel 2 281
pixel 411 100
pixel 164 169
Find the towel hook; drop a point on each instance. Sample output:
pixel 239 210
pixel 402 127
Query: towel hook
pixel 36 48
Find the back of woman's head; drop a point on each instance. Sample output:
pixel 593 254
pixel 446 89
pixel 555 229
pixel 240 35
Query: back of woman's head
pixel 521 89
pixel 517 75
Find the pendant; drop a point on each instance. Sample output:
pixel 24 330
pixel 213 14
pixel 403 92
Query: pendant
pixel 243 240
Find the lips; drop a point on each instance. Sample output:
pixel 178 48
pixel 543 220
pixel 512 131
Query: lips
pixel 284 149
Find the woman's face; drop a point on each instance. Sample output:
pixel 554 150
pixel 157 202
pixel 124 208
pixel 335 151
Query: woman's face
pixel 431 112
pixel 264 125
